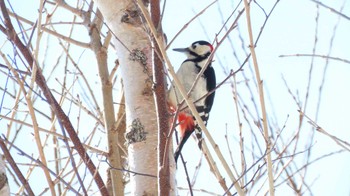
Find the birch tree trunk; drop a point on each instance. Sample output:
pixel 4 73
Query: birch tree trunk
pixel 134 52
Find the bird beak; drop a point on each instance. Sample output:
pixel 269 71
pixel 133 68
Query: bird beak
pixel 181 49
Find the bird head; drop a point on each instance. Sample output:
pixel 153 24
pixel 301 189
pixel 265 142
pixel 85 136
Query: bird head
pixel 198 49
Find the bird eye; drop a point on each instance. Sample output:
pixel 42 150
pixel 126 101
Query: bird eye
pixel 194 46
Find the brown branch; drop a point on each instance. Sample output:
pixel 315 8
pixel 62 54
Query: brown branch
pixel 159 93
pixel 3 139
pixel 261 99
pixel 94 149
pixel 15 168
pixel 246 171
pixel 61 116
pixel 65 38
pixel 186 173
pixel 18 70
pixel 117 186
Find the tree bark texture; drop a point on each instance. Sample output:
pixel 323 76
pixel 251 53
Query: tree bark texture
pixel 166 181
pixel 134 52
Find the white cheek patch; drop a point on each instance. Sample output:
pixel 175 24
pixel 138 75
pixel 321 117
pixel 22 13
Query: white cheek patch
pixel 203 50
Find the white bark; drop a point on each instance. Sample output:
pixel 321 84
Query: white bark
pixel 140 109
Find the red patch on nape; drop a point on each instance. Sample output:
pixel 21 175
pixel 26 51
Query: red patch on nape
pixel 186 123
pixel 211 48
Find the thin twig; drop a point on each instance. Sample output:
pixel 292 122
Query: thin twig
pixel 188 23
pixel 3 139
pixel 262 100
pixel 62 117
pixel 317 55
pixel 340 142
pixel 331 9
pixel 15 168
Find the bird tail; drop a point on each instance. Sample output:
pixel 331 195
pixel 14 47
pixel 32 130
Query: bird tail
pixel 181 144
pixel 188 126
pixel 198 132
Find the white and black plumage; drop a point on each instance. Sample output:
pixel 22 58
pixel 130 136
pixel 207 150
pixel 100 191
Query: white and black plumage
pixel 197 56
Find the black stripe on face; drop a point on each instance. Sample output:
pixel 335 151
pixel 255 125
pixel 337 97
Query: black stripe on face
pixel 193 53
pixel 198 58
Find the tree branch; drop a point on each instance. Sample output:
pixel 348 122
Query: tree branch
pixel 61 116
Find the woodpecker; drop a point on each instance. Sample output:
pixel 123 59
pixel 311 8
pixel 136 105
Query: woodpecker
pixel 197 56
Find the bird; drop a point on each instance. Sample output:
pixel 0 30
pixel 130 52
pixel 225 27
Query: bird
pixel 197 56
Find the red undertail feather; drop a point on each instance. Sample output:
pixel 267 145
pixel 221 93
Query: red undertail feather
pixel 186 123
pixel 185 128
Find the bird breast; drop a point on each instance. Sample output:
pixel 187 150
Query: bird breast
pixel 187 74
